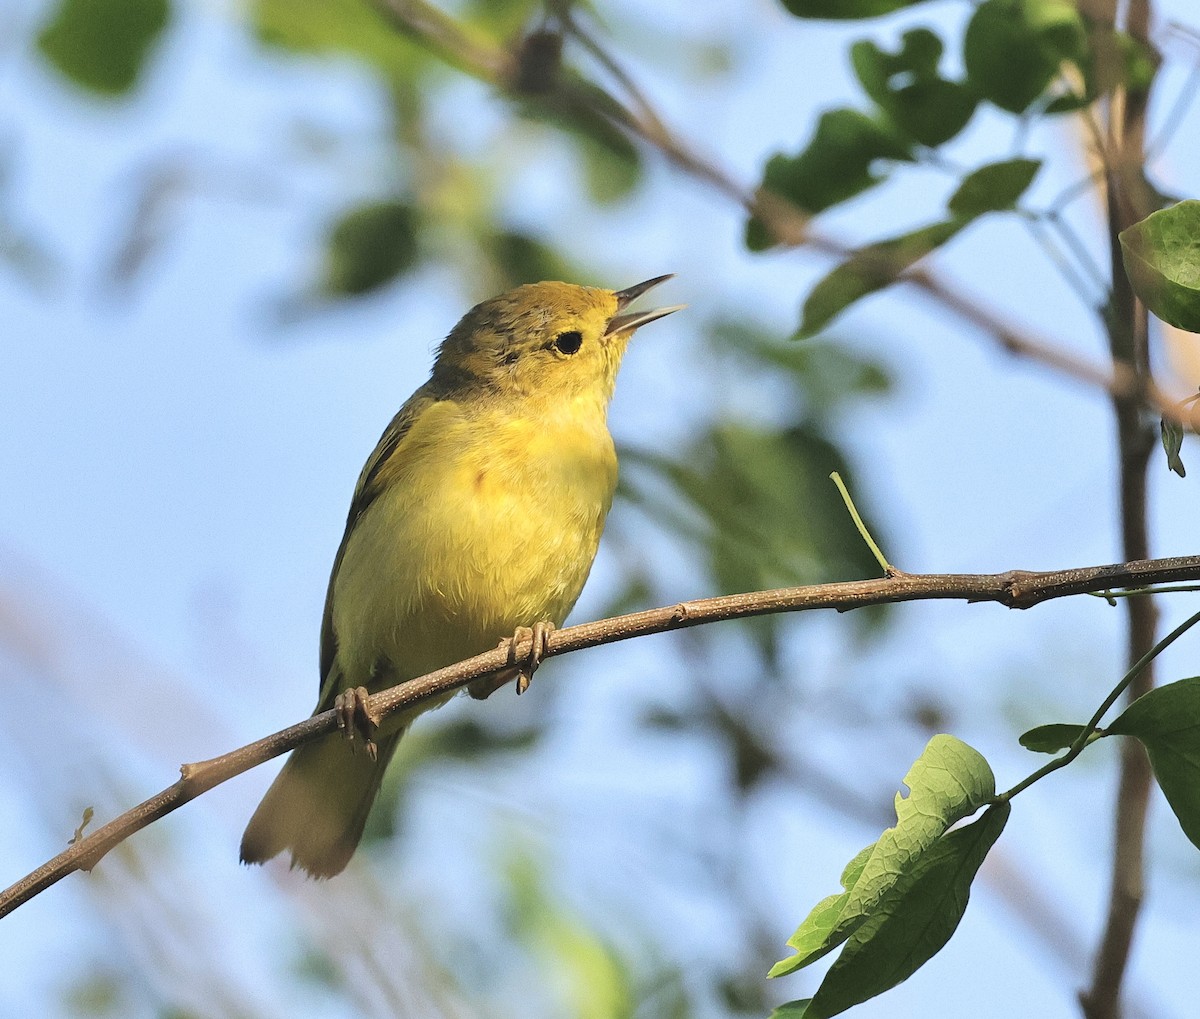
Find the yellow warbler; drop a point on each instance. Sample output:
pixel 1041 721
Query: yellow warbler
pixel 478 513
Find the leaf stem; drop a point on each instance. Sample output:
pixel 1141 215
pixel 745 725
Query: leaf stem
pixel 1085 736
pixel 888 569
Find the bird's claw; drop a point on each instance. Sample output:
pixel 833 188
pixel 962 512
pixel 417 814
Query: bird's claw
pixel 524 669
pixel 354 715
pixel 539 638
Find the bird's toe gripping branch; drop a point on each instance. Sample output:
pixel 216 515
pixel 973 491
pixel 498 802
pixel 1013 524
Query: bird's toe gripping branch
pixel 354 715
pixel 523 670
pixel 539 636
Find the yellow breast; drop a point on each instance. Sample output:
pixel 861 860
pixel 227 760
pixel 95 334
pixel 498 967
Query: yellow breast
pixel 492 523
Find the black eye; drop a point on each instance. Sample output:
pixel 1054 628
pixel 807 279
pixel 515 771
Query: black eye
pixel 568 343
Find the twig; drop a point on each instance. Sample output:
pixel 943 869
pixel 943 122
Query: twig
pixel 1016 589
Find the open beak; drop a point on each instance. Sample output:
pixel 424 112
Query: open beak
pixel 628 321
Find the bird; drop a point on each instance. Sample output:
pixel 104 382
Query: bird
pixel 477 516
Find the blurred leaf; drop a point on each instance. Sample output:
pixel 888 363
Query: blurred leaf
pixel 100 992
pixel 869 269
pixel 589 974
pixel 520 258
pixel 993 188
pixel 1167 721
pixel 836 166
pixel 503 19
pixel 611 163
pixel 353 27
pixel 371 245
pixel 1013 48
pixel 920 914
pixel 948 782
pixel 906 85
pixel 759 503
pixel 102 45
pixel 823 375
pixel 791 1009
pixel 1050 739
pixel 1172 442
pixel 846 10
pixel 1162 260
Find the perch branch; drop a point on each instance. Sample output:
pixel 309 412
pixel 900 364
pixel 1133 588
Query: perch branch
pixel 1016 589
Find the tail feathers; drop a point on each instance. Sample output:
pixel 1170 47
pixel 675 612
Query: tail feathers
pixel 317 807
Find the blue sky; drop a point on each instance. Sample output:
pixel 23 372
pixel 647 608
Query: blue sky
pixel 176 465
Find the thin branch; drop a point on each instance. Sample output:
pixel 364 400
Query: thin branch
pixel 1127 201
pixel 1016 589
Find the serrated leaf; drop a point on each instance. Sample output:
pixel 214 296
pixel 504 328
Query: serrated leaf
pixel 846 10
pixel 1172 441
pixel 908 89
pixel 869 269
pixel 370 246
pixel 993 188
pixel 1167 722
pixel 103 45
pixel 914 922
pixel 837 164
pixel 948 782
pixel 1050 739
pixel 815 936
pixel 1013 48
pixel 1162 260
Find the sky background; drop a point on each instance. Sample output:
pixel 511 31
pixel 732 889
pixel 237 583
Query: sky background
pixel 177 454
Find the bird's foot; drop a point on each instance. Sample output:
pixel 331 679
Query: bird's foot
pixel 354 715
pixel 538 634
pixel 539 637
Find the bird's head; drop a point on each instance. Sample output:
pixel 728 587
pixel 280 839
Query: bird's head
pixel 544 340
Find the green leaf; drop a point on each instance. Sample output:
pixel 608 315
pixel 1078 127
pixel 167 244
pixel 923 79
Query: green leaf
pixel 817 934
pixel 370 246
pixel 757 500
pixel 869 269
pixel 837 165
pixel 845 10
pixel 102 45
pixel 907 87
pixel 1050 739
pixel 611 163
pixel 1172 440
pixel 993 188
pixel 919 915
pixel 948 782
pixel 352 27
pixel 1162 260
pixel 1013 48
pixel 1167 721
pixel 522 258
pixel 791 1009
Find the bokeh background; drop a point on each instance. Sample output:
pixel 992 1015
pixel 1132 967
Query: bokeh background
pixel 227 253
